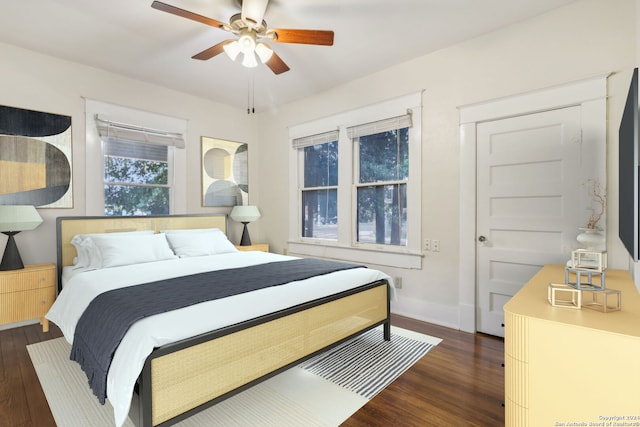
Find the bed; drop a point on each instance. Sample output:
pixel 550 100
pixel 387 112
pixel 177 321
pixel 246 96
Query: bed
pixel 200 359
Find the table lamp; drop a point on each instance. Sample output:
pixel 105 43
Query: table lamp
pixel 245 215
pixel 14 219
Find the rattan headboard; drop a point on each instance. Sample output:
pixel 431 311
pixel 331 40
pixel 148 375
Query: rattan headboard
pixel 67 227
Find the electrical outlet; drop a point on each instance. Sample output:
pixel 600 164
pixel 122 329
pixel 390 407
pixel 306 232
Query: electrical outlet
pixel 435 245
pixel 397 282
pixel 427 245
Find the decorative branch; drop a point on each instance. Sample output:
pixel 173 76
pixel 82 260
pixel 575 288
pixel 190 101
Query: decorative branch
pixel 600 199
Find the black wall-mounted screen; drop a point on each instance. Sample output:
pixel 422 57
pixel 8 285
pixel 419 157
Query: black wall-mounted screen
pixel 628 171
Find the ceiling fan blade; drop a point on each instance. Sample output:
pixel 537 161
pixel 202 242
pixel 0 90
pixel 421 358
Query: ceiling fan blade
pixel 212 51
pixel 253 11
pixel 319 37
pixel 186 14
pixel 276 64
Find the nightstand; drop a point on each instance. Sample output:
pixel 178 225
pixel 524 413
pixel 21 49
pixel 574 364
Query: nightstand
pixel 27 293
pixel 264 247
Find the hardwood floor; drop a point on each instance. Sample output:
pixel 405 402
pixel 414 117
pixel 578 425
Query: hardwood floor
pixel 22 402
pixel 459 383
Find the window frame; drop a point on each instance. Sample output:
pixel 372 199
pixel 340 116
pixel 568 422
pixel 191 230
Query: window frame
pixel 94 167
pixel 355 141
pixel 347 247
pixel 303 188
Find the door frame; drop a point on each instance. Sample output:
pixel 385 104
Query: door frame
pixel 590 94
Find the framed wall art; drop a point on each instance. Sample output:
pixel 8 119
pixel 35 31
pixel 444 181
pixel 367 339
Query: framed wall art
pixel 224 172
pixel 35 158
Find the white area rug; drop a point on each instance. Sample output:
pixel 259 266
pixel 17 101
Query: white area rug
pixel 323 391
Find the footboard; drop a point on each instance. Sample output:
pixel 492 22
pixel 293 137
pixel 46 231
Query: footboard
pixel 185 377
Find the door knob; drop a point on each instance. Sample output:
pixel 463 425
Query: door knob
pixel 482 239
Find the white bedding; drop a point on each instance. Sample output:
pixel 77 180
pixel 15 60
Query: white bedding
pixel 81 286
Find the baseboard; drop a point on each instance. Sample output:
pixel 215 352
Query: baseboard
pixel 467 317
pixel 437 314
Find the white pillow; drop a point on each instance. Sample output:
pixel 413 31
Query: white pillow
pixel 83 258
pixel 88 255
pixel 133 249
pixel 191 230
pixel 191 244
pixel 222 243
pixel 186 243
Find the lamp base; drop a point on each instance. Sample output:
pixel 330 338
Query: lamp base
pixel 245 240
pixel 11 259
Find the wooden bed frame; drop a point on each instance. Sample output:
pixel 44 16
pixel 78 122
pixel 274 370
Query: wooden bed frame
pixel 185 377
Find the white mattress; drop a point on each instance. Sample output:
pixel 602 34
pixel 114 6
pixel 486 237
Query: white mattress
pixel 81 286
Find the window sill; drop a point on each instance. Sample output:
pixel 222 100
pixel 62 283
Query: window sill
pixel 382 256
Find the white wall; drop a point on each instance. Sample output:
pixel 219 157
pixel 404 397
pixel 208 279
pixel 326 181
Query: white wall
pixel 584 39
pixel 43 83
pixel 581 40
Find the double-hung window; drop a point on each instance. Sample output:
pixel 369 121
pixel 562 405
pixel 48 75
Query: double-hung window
pixel 382 171
pixel 357 188
pixel 137 169
pixel 136 178
pixel 319 190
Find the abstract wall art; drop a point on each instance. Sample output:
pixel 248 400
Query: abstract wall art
pixel 35 158
pixel 224 172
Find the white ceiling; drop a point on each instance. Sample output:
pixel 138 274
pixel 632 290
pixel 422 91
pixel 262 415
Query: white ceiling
pixel 131 38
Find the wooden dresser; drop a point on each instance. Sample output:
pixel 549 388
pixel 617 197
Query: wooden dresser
pixel 568 366
pixel 27 293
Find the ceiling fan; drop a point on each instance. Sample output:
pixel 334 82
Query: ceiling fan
pixel 251 29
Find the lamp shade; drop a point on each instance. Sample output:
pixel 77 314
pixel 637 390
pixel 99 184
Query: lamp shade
pixel 232 49
pixel 19 218
pixel 245 213
pixel 249 60
pixel 264 52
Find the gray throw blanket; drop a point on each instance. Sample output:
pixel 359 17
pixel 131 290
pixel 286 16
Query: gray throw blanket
pixel 108 317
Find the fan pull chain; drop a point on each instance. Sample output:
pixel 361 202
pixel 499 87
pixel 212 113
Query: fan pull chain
pixel 251 97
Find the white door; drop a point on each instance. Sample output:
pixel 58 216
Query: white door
pixel 528 184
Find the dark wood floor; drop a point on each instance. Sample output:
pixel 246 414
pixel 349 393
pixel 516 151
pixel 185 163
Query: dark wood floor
pixel 459 383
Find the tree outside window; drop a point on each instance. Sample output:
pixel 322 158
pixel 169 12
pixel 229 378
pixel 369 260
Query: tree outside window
pixel 320 192
pixel 136 179
pixel 383 164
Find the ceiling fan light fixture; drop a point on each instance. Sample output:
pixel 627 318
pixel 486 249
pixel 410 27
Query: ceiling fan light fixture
pixel 247 42
pixel 232 49
pixel 249 27
pixel 264 52
pixel 249 60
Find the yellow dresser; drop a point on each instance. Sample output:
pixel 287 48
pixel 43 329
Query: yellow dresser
pixel 571 367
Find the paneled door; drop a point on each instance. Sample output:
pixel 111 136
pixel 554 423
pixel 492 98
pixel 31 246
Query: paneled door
pixel 528 185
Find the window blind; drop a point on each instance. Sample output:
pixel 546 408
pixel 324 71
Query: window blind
pixel 380 126
pixel 135 150
pixel 321 138
pixel 109 130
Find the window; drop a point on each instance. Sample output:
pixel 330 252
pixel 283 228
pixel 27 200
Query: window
pixel 320 191
pixel 357 188
pixel 136 178
pixel 381 186
pixel 137 168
